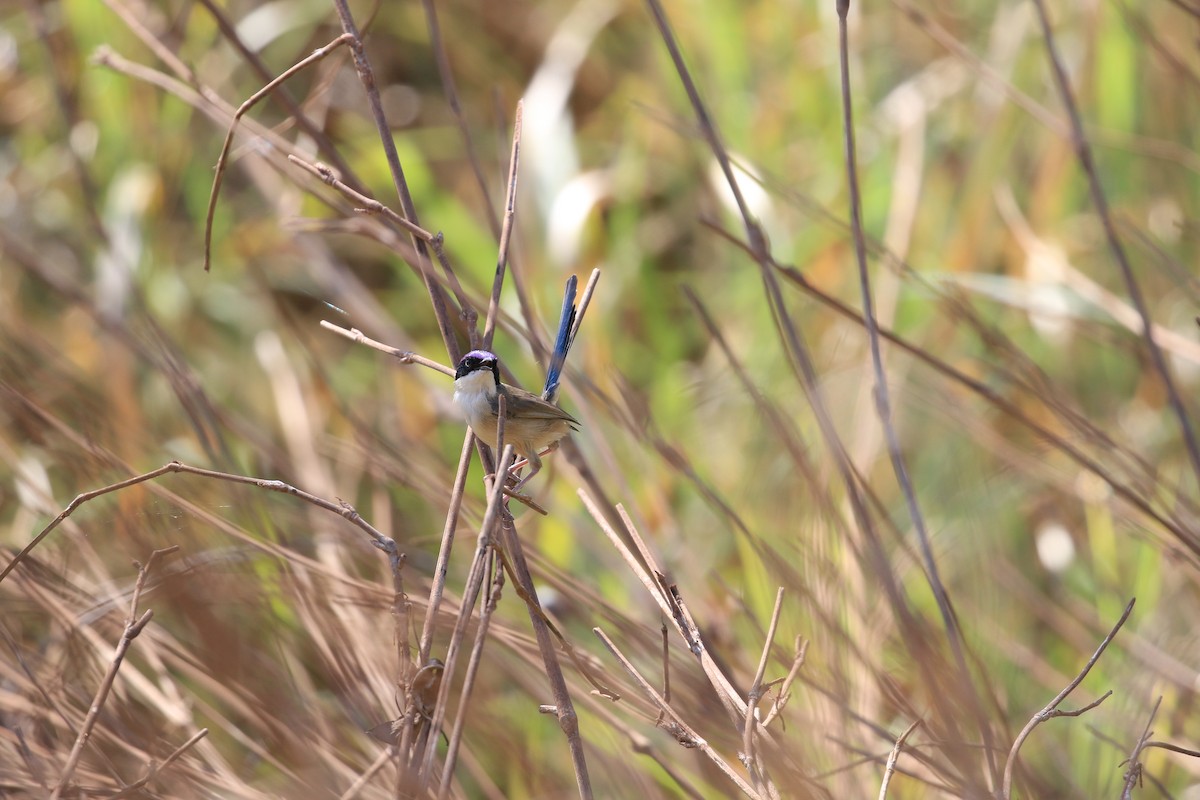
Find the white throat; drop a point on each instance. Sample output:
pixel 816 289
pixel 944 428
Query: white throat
pixel 474 392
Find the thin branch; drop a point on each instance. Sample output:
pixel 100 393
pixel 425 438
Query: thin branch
pixel 1133 775
pixel 981 389
pixel 154 770
pixel 510 209
pixel 365 204
pixel 133 626
pixel 568 720
pixel 883 405
pixel 1050 710
pixel 1083 150
pixel 229 33
pixel 891 762
pixel 360 783
pixel 754 233
pixel 802 363
pixel 642 745
pixel 670 603
pixel 585 300
pixel 369 206
pixel 443 558
pixel 345 510
pixel 1174 748
pixel 422 763
pixel 442 59
pixel 666 666
pixel 785 693
pixel 219 174
pixel 403 356
pixel 692 739
pixel 464 695
pixel 756 690
pixel 366 75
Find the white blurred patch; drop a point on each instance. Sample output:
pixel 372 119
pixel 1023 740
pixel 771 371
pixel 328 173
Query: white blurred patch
pixel 1051 306
pixel 1055 547
pixel 570 212
pixel 758 202
pixel 1092 489
pixel 269 21
pixel 32 483
pixel 84 137
pixel 9 52
pixel 1165 220
pixel 548 132
pixel 129 198
pixel 913 99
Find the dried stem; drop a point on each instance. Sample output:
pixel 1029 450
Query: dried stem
pixel 890 769
pixel 154 770
pixel 568 721
pixel 1051 710
pixel 403 356
pixel 421 764
pixel 367 77
pixel 442 59
pixel 1083 150
pixel 671 605
pixel 464 696
pixel 692 739
pixel 250 56
pixel 219 173
pixel 585 299
pixel 1133 775
pixel 368 205
pixel 133 626
pixel 385 543
pixel 785 691
pixel 360 783
pixel 883 406
pixel 443 558
pixel 756 690
pixel 510 209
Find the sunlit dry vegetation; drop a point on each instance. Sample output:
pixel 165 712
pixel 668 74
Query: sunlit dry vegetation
pixel 760 571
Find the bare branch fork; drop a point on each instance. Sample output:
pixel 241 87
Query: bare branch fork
pixel 219 173
pixel 890 768
pixel 385 543
pixel 134 624
pixel 1051 710
pixel 756 692
pixel 670 602
pixel 687 736
pixel 1133 775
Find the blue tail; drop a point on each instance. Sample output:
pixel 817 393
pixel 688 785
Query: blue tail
pixel 562 342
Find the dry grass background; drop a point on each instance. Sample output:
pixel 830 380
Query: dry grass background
pixel 725 390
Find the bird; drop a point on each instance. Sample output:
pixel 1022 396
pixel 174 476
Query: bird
pixel 532 425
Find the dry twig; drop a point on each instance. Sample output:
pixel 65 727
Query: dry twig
pixel 1051 709
pixel 133 626
pixel 891 762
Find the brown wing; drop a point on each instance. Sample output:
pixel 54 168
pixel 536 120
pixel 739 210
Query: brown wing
pixel 530 406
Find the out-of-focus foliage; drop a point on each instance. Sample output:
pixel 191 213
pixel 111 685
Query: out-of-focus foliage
pixel 1055 487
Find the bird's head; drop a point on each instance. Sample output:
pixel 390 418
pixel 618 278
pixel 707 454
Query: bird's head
pixel 478 363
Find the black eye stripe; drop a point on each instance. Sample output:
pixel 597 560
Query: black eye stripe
pixel 475 363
